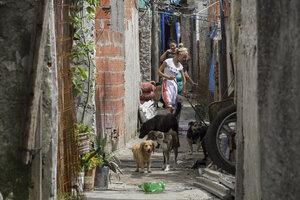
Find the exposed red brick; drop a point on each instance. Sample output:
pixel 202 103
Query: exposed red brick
pixel 109 107
pixel 109 92
pixel 112 121
pixel 102 13
pixel 111 35
pixel 127 13
pixel 127 3
pixel 110 51
pixel 105 35
pixel 107 64
pixel 121 38
pixel 104 2
pixel 109 78
pixel 102 24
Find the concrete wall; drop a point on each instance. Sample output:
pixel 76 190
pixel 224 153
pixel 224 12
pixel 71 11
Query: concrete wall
pixel 204 52
pixel 278 97
pixel 17 38
pixel 268 100
pixel 132 68
pixel 247 104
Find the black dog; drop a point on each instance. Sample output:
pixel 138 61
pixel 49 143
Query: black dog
pixel 195 135
pixel 161 123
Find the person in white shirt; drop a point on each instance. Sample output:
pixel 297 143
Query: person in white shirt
pixel 168 70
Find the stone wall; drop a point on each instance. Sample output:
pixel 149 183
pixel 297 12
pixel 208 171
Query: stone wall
pixel 145 25
pixel 81 101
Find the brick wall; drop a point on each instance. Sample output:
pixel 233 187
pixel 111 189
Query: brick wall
pixel 109 71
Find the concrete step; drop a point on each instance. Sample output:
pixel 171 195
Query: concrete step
pixel 213 187
pixel 211 174
pixel 228 181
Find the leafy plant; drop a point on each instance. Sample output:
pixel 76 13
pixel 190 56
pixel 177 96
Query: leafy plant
pixel 109 158
pixel 88 163
pixel 82 10
pixel 82 128
pixel 63 196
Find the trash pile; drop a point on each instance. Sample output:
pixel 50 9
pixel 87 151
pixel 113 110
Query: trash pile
pixel 147 110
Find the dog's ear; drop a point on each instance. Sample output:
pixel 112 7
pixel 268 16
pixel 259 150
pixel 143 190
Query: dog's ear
pixel 157 134
pixel 191 123
pixel 151 135
pixel 153 146
pixel 142 145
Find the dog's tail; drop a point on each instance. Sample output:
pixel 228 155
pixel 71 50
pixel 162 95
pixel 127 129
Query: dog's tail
pixel 178 109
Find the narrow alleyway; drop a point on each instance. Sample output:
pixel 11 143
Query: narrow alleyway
pixel 179 182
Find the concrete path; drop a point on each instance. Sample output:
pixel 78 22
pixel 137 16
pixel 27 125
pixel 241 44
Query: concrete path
pixel 179 182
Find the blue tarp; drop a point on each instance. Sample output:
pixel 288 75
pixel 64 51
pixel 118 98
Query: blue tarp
pixel 163 16
pixel 211 75
pixel 176 30
pixel 213 34
pixel 162 30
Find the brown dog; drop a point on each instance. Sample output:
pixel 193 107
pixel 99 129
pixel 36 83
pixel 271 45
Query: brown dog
pixel 157 95
pixel 142 154
pixel 195 135
pixel 169 141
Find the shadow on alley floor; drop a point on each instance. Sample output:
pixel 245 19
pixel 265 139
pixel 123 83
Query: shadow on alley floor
pixel 179 182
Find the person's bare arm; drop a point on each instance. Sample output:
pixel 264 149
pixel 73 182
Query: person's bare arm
pixel 164 56
pixel 190 79
pixel 183 82
pixel 160 72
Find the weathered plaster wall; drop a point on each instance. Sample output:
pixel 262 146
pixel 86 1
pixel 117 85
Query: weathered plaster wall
pixel 235 22
pixel 132 68
pixel 268 100
pixel 16 31
pixel 204 52
pixel 278 95
pixel 248 122
pixel 145 45
pixel 50 114
pixel 15 37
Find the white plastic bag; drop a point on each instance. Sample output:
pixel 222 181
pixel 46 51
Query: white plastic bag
pixel 148 109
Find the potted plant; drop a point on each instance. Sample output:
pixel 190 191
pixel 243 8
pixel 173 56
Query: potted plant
pixel 88 165
pixel 83 137
pixel 109 162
